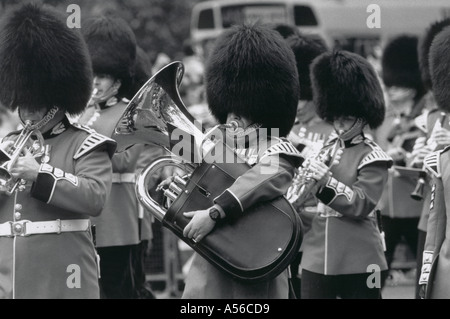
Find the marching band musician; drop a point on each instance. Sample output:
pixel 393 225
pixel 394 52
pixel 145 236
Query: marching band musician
pixel 251 79
pixel 404 90
pixel 46 242
pixel 309 129
pixel 344 240
pixel 434 275
pixel 148 154
pixel 435 124
pixel 112 47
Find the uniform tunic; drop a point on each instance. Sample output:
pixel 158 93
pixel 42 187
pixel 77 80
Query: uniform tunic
pixel 344 237
pixel 118 224
pixel 204 281
pixel 437 244
pixel 73 184
pixel 432 118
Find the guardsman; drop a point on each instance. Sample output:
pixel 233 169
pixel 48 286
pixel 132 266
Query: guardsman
pixel 112 47
pixel 309 129
pixel 428 123
pixel 46 240
pixel 254 66
pixel 148 154
pixel 402 79
pixel 435 265
pixel 344 245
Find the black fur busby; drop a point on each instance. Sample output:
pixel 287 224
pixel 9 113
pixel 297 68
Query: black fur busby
pixel 43 63
pixel 440 69
pixel 142 72
pixel 252 72
pixel 306 48
pixel 112 46
pixel 400 63
pixel 345 84
pixel 424 49
pixel 285 30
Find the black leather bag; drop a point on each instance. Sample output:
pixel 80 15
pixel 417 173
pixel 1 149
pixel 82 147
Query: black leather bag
pixel 255 247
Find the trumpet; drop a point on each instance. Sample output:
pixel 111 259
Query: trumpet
pixel 303 183
pixel 418 192
pixel 29 139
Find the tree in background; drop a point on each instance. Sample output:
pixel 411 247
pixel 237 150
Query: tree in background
pixel 159 25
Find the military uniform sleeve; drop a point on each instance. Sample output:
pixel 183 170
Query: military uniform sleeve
pixel 265 181
pixel 435 228
pixel 357 200
pixel 85 191
pixel 437 219
pixel 124 160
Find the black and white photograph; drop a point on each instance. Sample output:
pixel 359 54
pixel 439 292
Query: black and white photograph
pixel 224 155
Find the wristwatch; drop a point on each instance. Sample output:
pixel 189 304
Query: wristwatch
pixel 214 214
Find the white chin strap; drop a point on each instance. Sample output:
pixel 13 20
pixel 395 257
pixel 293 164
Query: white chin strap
pixel 47 118
pixel 356 129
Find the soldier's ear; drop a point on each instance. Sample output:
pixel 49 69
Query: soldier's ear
pixel 117 84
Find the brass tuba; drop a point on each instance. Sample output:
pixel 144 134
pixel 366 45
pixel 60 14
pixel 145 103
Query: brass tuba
pixel 257 246
pixel 29 139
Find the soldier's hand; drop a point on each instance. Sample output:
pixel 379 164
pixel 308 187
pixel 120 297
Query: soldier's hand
pixel 6 146
pixel 26 167
pixel 199 226
pixel 442 136
pixel 397 154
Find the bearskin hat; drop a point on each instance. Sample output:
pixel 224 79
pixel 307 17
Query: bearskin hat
pixel 286 30
pixel 306 49
pixel 142 71
pixel 43 63
pixel 345 84
pixel 112 46
pixel 440 69
pixel 252 72
pixel 400 63
pixel 424 49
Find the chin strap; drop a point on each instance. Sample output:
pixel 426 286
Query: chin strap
pixel 47 118
pixel 356 129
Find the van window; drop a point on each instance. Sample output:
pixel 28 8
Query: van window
pixel 206 19
pixel 304 16
pixel 247 13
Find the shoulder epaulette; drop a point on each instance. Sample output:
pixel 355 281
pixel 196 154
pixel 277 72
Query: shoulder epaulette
pixel 83 127
pixel 445 149
pixel 421 121
pixel 431 163
pixel 376 155
pixel 282 147
pixel 93 141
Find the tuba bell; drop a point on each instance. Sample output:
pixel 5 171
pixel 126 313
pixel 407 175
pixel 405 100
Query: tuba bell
pixel 242 248
pixel 30 140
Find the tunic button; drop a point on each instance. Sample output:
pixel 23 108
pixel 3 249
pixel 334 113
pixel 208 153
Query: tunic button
pixel 18 206
pixel 17 215
pixel 18 228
